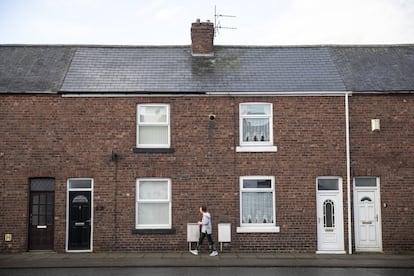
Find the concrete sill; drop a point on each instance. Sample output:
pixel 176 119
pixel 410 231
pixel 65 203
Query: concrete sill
pixel 154 231
pixel 256 149
pixel 153 150
pixel 273 229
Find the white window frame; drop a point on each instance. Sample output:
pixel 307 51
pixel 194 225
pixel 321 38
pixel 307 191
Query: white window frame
pixel 137 200
pixel 256 146
pixel 167 123
pixel 258 227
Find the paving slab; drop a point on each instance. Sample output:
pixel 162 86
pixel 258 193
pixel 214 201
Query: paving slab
pixel 185 259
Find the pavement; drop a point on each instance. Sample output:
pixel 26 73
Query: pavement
pixel 48 259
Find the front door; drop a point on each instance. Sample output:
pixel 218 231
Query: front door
pixel 41 221
pixel 367 214
pixel 80 215
pixel 330 226
pixel 41 214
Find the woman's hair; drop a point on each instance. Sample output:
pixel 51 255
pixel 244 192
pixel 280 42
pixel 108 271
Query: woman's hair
pixel 204 208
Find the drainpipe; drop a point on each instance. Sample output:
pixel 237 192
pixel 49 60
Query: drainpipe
pixel 348 172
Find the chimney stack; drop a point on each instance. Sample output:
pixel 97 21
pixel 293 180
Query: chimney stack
pixel 202 36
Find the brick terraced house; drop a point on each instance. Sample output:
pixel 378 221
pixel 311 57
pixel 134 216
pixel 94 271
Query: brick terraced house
pixel 298 149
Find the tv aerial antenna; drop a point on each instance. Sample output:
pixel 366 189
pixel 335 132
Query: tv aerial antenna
pixel 217 23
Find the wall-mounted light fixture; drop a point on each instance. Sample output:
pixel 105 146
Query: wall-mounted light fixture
pixel 375 124
pixel 114 156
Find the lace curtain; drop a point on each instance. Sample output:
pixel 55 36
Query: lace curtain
pixel 255 130
pixel 257 207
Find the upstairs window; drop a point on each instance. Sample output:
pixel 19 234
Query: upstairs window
pixel 153 126
pixel 256 127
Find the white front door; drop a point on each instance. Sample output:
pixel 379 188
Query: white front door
pixel 330 215
pixel 367 213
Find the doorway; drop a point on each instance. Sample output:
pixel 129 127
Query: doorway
pixel 367 214
pixel 330 226
pixel 80 215
pixel 41 214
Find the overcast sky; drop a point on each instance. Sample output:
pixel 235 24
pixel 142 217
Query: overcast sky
pixel 168 22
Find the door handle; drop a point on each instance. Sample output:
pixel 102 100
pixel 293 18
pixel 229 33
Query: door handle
pixel 79 224
pixel 376 217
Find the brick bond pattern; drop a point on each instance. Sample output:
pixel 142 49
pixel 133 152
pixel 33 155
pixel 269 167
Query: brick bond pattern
pixel 53 136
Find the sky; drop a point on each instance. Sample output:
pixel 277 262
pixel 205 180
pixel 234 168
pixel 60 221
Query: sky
pixel 168 22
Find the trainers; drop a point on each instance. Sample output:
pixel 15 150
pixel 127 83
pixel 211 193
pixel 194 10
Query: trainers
pixel 214 253
pixel 194 252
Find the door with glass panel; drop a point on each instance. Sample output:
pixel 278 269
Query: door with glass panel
pixel 41 214
pixel 330 215
pixel 79 213
pixel 367 213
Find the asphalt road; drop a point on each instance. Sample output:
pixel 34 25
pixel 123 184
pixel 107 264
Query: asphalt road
pixel 209 271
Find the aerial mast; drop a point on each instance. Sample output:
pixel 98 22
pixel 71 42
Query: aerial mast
pixel 217 23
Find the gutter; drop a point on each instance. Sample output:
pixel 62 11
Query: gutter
pixel 279 93
pixel 201 93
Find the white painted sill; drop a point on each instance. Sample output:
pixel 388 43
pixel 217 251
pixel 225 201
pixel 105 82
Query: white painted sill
pixel 246 229
pixel 256 149
pixel 330 252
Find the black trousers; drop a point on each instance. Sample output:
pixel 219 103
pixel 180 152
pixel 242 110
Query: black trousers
pixel 209 239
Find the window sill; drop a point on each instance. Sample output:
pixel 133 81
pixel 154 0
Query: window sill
pixel 246 229
pixel 153 231
pixel 256 149
pixel 153 150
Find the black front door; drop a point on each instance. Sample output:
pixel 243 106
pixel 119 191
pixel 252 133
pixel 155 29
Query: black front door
pixel 79 220
pixel 41 220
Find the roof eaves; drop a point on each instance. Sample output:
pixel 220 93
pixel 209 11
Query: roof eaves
pixel 28 92
pixel 280 93
pixel 67 93
pixel 377 92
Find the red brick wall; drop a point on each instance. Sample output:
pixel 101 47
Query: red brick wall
pixel 202 36
pixel 50 136
pixel 387 154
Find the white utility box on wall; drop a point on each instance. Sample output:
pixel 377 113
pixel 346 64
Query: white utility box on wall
pixel 224 233
pixel 193 233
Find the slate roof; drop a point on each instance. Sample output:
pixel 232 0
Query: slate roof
pixel 172 69
pixel 37 69
pixel 387 68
